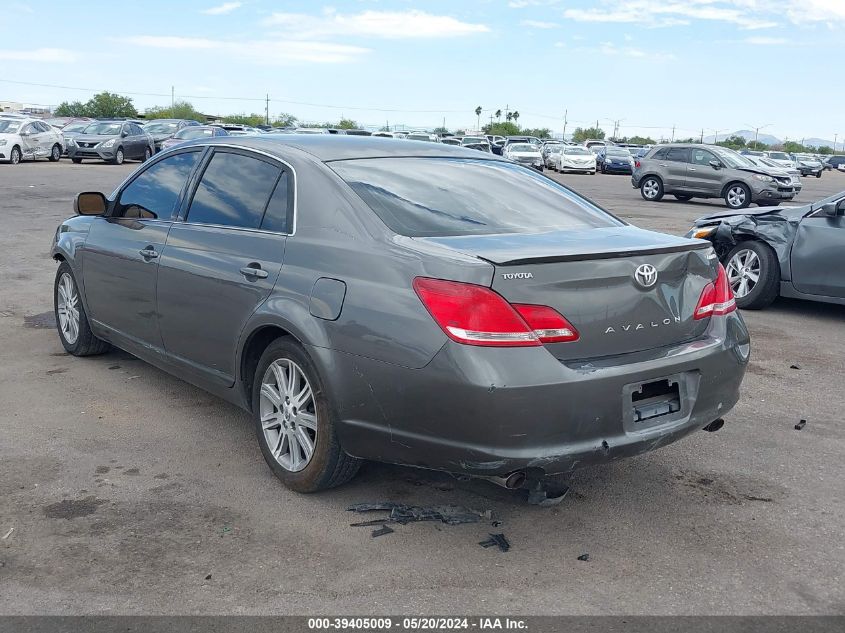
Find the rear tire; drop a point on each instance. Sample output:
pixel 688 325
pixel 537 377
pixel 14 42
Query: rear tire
pixel 651 189
pixel 682 197
pixel 56 153
pixel 147 154
pixel 71 320
pixel 819 175
pixel 742 263
pixel 327 465
pixel 76 160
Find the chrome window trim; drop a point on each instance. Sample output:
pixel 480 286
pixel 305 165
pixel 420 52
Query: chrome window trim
pixel 204 147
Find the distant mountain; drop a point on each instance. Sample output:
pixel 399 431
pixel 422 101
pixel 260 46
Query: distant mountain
pixel 768 139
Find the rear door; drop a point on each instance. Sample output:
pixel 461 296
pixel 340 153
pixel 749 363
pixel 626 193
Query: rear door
pixel 122 251
pixel 222 261
pixel 818 256
pixel 674 167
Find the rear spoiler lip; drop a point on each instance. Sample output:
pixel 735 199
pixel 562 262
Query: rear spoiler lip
pixel 552 259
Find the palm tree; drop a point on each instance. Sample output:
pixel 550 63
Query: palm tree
pixel 498 114
pixel 508 116
pixel 478 118
pixel 516 116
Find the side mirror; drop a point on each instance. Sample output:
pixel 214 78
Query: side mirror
pixel 715 164
pixel 124 134
pixel 90 203
pixel 833 210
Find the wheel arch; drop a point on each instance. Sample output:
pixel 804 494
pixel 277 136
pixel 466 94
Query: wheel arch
pixel 729 184
pixel 651 174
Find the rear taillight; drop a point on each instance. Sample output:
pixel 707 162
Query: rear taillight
pixel 475 315
pixel 717 298
pixel 637 164
pixel 548 324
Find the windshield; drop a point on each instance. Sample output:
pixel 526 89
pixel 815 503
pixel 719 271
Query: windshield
pixel 193 132
pixel 618 152
pixel 521 147
pixel 473 139
pixel 161 127
pixel 104 128
pixel 419 137
pixel 8 126
pixel 425 197
pixel 75 127
pixel 778 156
pixel 579 151
pixel 731 158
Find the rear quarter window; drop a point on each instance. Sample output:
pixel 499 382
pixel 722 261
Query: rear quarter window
pixel 426 197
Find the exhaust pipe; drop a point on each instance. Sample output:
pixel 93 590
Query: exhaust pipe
pixel 511 482
pixel 714 426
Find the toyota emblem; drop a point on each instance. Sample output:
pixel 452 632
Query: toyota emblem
pixel 645 275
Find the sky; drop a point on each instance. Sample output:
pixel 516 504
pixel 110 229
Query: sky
pixel 720 65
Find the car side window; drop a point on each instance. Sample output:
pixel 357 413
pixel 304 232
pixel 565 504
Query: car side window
pixel 678 155
pixel 40 127
pixel 28 129
pixel 702 157
pixel 153 194
pixel 233 191
pixel 279 214
pixel 661 153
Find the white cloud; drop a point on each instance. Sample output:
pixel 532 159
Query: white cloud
pixel 766 41
pixel 264 51
pixel 538 24
pixel 382 24
pixel 829 11
pixel 521 4
pixel 612 50
pixel 226 7
pixel 743 13
pixel 51 55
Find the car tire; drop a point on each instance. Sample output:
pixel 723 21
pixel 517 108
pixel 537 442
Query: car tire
pixel 737 196
pixel 15 156
pixel 819 175
pixel 71 319
pixel 682 197
pixel 281 427
pixel 758 258
pixel 147 154
pixel 651 188
pixel 76 160
pixel 119 157
pixel 56 153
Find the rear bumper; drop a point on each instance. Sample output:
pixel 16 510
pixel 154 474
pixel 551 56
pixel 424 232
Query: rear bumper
pixel 489 411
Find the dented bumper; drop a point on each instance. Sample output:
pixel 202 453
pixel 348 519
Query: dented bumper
pixel 489 411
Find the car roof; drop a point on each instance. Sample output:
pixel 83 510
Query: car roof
pixel 329 147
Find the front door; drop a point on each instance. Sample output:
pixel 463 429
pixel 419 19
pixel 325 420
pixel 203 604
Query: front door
pixel 221 263
pixel 702 177
pixel 122 251
pixel 818 256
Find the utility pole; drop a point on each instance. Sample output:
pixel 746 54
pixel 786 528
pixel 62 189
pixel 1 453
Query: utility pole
pixel 757 131
pixel 267 109
pixel 172 97
pixel 673 134
pixel 565 115
pixel 701 140
pixel 835 139
pixel 716 136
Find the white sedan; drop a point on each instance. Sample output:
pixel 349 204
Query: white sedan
pixel 23 138
pixel 524 154
pixel 574 158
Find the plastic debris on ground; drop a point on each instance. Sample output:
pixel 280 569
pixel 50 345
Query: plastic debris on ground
pixel 584 557
pixel 801 425
pixel 381 532
pixel 403 514
pixel 497 540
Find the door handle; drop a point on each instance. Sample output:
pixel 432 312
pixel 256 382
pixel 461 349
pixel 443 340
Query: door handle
pixel 691 168
pixel 148 253
pixel 254 271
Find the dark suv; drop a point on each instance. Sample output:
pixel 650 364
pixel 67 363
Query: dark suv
pixel 708 171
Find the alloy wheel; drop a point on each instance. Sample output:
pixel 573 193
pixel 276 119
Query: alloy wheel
pixel 15 156
pixel 68 308
pixel 288 414
pixel 743 272
pixel 650 188
pixel 736 197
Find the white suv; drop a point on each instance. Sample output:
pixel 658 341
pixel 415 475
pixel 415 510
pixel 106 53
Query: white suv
pixel 22 138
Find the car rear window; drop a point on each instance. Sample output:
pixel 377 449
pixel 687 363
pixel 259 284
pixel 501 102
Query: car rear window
pixel 426 197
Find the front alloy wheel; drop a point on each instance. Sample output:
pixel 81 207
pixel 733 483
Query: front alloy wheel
pixel 743 272
pixel 15 156
pixel 738 196
pixel 651 189
pixel 67 308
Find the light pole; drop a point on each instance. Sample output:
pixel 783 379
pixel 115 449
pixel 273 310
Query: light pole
pixel 757 130
pixel 716 136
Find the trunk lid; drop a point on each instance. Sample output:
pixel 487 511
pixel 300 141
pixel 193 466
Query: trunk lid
pixel 589 276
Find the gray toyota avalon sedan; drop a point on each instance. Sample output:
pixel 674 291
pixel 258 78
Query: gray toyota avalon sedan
pixel 414 303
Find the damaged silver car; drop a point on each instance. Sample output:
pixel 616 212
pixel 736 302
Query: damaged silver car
pixel 796 252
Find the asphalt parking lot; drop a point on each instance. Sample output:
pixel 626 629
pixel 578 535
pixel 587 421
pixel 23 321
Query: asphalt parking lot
pixel 124 490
